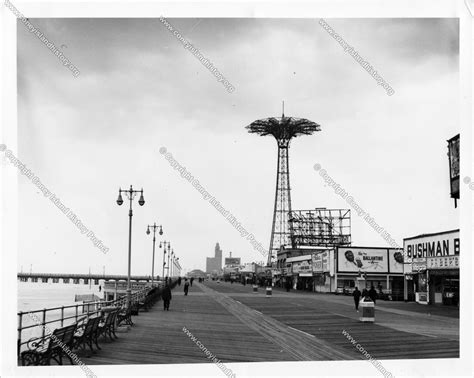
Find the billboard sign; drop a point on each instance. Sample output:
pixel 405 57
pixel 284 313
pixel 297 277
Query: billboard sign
pixel 232 261
pixel 317 261
pixel 395 261
pixel 434 245
pixel 453 153
pixel 302 267
pixel 320 262
pixel 359 259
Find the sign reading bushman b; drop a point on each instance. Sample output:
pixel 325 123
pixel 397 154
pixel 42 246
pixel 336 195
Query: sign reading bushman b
pixel 432 245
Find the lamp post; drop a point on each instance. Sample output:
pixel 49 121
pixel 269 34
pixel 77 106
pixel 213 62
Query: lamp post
pixel 154 227
pixel 130 195
pixel 172 263
pixel 169 254
pixel 164 256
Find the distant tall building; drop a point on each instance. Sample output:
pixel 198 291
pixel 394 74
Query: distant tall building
pixel 214 263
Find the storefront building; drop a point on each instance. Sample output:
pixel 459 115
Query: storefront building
pixel 295 265
pixel 301 272
pixel 381 268
pixel 432 268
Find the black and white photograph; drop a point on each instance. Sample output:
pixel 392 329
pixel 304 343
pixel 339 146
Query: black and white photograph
pixel 236 189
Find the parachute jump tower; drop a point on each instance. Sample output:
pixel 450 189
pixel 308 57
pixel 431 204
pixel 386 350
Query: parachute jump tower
pixel 283 129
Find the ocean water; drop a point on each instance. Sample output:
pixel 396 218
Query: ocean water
pixel 37 296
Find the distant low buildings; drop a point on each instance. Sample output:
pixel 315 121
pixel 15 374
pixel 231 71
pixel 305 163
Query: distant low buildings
pixel 196 273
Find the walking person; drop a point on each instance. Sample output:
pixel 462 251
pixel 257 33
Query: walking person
pixel 373 294
pixel 166 296
pixel 186 286
pixel 356 294
pixel 191 280
pixel 365 293
pixel 288 284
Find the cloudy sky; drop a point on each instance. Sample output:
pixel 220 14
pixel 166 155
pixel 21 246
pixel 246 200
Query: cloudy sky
pixel 140 90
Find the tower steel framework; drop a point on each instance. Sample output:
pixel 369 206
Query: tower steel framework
pixel 283 130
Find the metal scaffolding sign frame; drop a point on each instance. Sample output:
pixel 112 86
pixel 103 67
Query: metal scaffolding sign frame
pixel 320 227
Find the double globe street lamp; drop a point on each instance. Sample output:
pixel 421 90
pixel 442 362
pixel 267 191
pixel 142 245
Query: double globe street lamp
pixel 172 263
pixel 164 255
pixel 154 227
pixel 168 266
pixel 130 195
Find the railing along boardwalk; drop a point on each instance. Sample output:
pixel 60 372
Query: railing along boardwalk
pixel 33 325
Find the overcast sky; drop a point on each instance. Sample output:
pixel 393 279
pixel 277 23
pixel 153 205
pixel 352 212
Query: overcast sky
pixel 140 90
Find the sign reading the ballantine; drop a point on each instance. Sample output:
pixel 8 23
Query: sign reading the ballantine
pixel 362 259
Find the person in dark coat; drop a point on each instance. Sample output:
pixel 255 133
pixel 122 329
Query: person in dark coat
pixel 166 296
pixel 191 281
pixel 373 294
pixel 288 284
pixel 356 294
pixel 186 286
pixel 365 293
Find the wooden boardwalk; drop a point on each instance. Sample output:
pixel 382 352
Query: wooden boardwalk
pixel 238 326
pixel 398 333
pixel 158 337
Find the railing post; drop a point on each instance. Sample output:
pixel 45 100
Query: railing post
pixel 44 322
pixel 76 312
pixel 62 316
pixel 20 323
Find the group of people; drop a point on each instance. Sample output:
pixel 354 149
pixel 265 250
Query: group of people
pixel 166 293
pixel 372 294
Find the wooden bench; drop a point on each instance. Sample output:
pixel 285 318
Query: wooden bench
pixel 85 334
pixel 147 303
pixel 125 316
pixel 107 326
pixel 42 350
